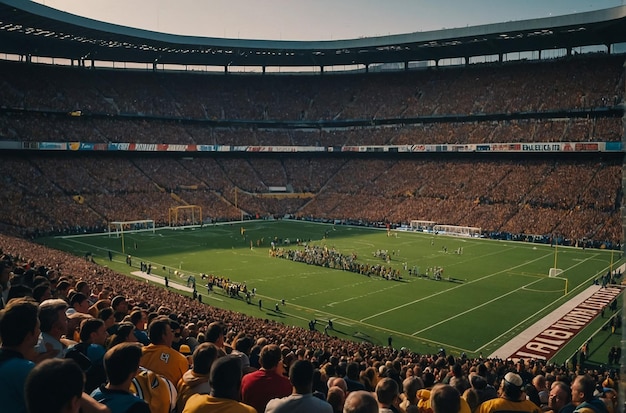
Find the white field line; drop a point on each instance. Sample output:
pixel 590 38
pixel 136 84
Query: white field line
pixel 493 300
pixel 528 318
pixel 453 288
pixel 475 307
pixel 546 321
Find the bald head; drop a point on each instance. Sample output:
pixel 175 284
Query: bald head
pixel 360 402
pixel 339 382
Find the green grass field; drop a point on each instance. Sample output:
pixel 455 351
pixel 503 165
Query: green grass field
pixel 500 287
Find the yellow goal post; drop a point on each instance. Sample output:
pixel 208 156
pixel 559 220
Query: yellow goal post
pixel 185 216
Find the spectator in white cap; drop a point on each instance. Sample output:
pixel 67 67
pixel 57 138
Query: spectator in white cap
pixel 512 398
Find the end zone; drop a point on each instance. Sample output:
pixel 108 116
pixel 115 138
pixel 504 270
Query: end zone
pixel 547 336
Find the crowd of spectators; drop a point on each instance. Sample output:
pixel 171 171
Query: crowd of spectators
pixel 352 366
pixel 586 81
pixel 577 199
pixel 39 127
pixel 169 108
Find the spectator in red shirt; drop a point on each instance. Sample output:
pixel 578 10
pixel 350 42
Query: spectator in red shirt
pixel 269 382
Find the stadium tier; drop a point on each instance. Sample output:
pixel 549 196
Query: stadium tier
pixel 573 194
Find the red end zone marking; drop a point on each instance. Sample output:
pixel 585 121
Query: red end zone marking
pixel 547 343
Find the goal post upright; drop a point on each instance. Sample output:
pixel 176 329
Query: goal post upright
pixel 140 225
pixel 190 213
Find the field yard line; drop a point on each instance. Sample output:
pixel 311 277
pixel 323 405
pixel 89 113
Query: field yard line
pixel 533 315
pixel 476 307
pixel 84 243
pixel 453 288
pixel 495 299
pixel 525 336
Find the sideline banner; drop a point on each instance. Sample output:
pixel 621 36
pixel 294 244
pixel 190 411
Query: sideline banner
pixel 555 336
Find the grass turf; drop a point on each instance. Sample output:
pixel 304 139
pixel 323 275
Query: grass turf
pixel 496 288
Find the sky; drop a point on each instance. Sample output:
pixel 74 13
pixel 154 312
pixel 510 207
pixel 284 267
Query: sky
pixel 316 19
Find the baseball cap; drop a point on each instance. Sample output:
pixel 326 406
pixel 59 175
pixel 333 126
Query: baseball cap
pixel 513 379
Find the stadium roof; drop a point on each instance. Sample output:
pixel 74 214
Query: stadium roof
pixel 29 28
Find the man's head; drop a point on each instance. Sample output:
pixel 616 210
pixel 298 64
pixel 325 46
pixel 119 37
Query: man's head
pixel 270 356
pixel 53 318
pixel 203 357
pixel 339 382
pixel 19 323
pixel 582 389
pixel 121 362
pixel 125 333
pixel 42 292
pixel 225 377
pixel 62 288
pixel 138 318
pixel 360 402
pixel 410 386
pixel 512 386
pixel 215 333
pixel 120 307
pixel 93 331
pixel 160 331
pixel 80 303
pixel 539 382
pixel 244 344
pixel 301 376
pixel 387 392
pixel 83 288
pixel 445 399
pixel 336 398
pixel 560 395
pixel 54 385
pixel 352 371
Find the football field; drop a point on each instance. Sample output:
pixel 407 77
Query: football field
pixel 487 293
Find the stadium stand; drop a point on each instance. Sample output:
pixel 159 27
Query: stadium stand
pixel 534 196
pixel 529 197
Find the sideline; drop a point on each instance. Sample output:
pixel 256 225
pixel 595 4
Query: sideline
pixel 161 281
pixel 172 284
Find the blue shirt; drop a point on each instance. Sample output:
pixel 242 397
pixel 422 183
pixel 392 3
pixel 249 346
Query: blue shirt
pixel 120 401
pixel 13 372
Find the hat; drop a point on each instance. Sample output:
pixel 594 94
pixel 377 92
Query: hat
pixel 608 383
pixel 513 379
pixel 185 349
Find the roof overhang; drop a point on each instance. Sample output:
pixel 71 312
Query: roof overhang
pixel 30 28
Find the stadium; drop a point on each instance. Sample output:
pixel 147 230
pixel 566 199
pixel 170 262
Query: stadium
pixel 400 190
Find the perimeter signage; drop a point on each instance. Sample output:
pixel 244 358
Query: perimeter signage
pixel 547 343
pixel 168 147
